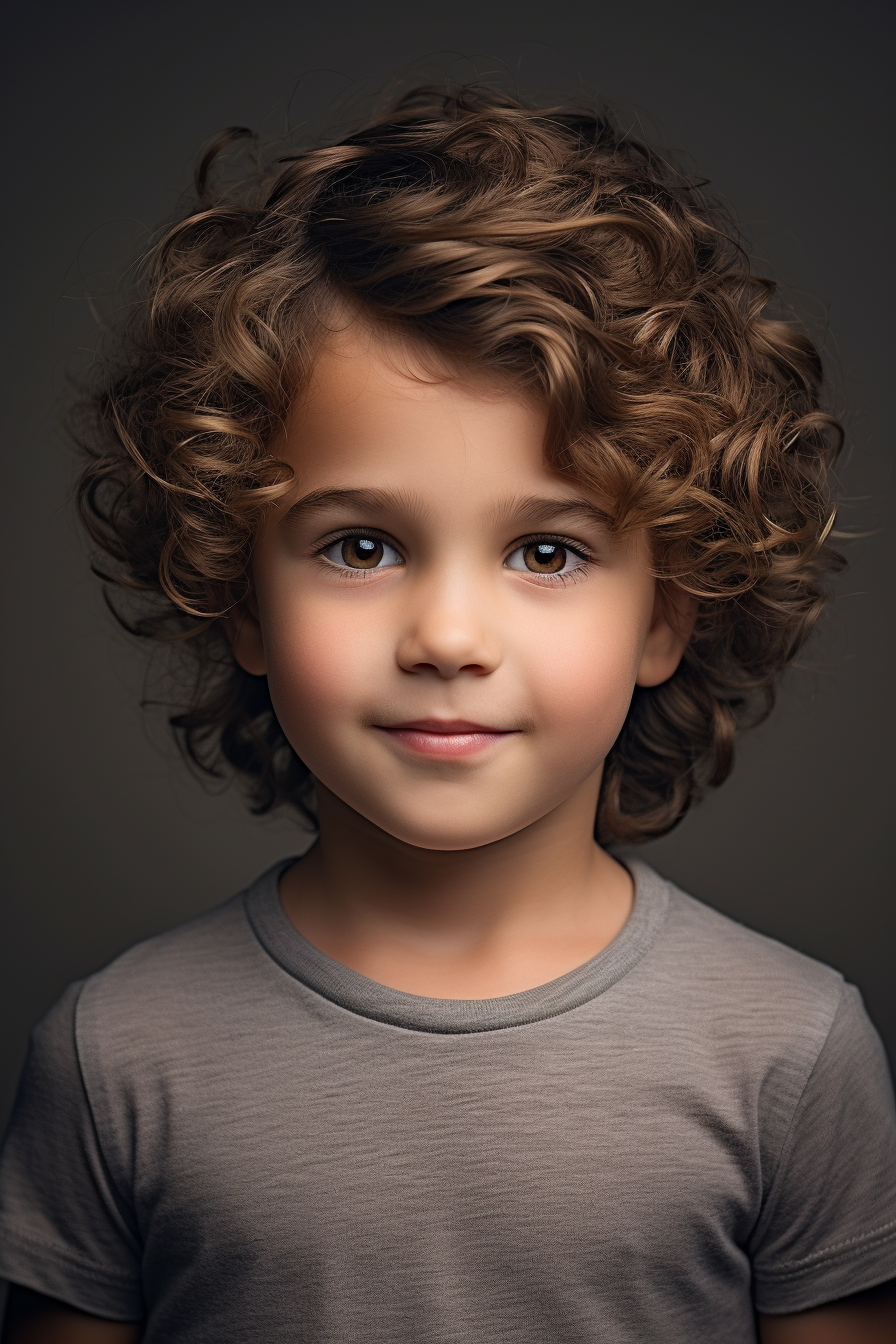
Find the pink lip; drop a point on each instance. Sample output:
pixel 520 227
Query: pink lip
pixel 444 737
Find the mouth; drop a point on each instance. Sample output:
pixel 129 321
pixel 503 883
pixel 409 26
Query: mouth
pixel 444 737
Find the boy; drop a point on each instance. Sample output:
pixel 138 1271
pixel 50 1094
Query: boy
pixel 493 504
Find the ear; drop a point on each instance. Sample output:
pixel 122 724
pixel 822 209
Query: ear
pixel 674 614
pixel 243 629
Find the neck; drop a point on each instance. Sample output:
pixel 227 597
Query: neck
pixel 459 923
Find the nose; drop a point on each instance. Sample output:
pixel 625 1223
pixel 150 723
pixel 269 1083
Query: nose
pixel 448 630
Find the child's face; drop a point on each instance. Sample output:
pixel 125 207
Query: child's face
pixel 451 636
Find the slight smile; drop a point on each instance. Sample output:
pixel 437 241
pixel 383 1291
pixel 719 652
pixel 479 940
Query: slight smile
pixel 444 737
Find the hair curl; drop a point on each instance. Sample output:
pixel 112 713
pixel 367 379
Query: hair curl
pixel 546 247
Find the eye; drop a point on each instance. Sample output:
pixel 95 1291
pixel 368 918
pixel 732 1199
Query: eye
pixel 545 557
pixel 362 551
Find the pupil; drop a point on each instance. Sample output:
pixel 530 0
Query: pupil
pixel 545 557
pixel 362 552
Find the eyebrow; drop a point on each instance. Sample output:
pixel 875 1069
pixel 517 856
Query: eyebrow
pixel 526 510
pixel 362 500
pixel 532 509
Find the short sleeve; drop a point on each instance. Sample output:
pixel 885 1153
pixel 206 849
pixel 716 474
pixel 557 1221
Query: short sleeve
pixel 64 1229
pixel 829 1225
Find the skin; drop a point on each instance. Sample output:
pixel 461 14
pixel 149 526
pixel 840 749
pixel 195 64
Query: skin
pixel 451 625
pixel 441 620
pixel 32 1318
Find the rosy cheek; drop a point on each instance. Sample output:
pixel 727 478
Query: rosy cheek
pixel 590 692
pixel 317 667
pixel 307 679
pixel 588 681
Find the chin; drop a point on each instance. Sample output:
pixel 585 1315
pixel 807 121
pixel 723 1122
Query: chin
pixel 449 834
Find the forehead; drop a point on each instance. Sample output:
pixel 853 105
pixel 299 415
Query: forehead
pixel 376 412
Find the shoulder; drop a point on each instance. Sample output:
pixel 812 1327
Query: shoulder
pixel 740 984
pixel 162 990
pixel 706 945
pixel 754 1027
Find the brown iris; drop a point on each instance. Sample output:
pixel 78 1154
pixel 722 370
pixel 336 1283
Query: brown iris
pixel 544 557
pixel 362 552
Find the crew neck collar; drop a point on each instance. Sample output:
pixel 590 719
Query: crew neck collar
pixel 355 992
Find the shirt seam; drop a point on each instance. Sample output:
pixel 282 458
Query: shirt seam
pixel 647 937
pixel 123 1206
pixel 64 1258
pixel 771 1200
pixel 841 1250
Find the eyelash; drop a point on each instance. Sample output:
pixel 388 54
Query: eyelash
pixel 373 532
pixel 576 548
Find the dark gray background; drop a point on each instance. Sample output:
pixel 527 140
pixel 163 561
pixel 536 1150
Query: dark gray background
pixel 783 106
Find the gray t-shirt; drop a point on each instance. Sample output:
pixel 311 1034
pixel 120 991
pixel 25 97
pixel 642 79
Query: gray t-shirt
pixel 243 1140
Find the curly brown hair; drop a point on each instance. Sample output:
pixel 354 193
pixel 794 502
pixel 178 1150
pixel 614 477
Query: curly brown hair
pixel 546 247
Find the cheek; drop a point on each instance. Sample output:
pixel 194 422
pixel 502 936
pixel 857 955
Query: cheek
pixel 584 685
pixel 317 665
